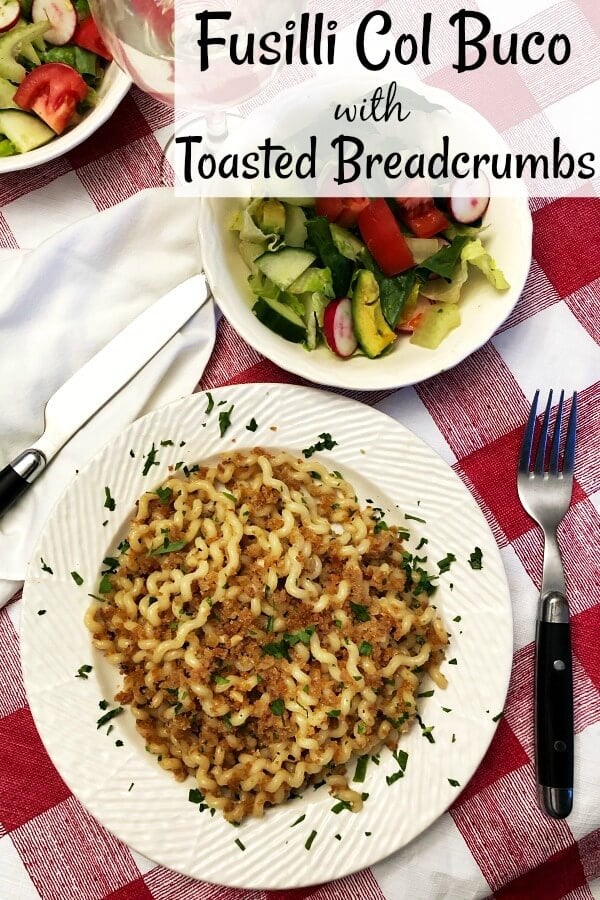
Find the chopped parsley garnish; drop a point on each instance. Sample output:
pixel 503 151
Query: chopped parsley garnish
pixel 195 796
pixel 368 833
pixel 41 612
pixel 132 454
pixel 396 776
pixel 337 623
pixel 210 405
pixel 310 840
pixel 105 586
pixel 422 543
pixel 457 618
pixel 168 547
pixel 453 739
pixel 118 743
pixel 476 559
pixel 229 496
pixel 426 730
pixel 361 613
pixel 270 623
pixel 300 637
pixel 361 727
pixel 325 442
pixel 277 707
pixel 425 694
pixel 164 494
pixel 46 567
pixel 167 444
pixel 375 759
pixel 130 786
pixel 401 757
pixel 151 460
pixel 380 526
pixel 111 714
pixel 361 769
pixel 103 704
pixel 83 672
pixel 239 843
pixel 227 719
pixel 341 805
pixel 334 713
pixel 297 822
pixel 278 651
pixel 77 578
pixel 225 420
pixel 446 709
pixel 338 837
pixel 109 501
pixel 498 717
pixel 123 546
pixel 219 679
pixel 453 782
pixel 445 563
pixel 365 648
pixel 316 475
pixel 452 662
pixel 111 563
pixel 410 518
pixel 252 425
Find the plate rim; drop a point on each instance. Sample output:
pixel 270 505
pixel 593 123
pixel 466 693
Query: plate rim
pixel 29 602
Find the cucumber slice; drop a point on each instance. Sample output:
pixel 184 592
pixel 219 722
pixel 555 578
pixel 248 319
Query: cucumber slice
pixel 284 266
pixel 24 130
pixel 281 319
pixel 435 326
pixel 315 305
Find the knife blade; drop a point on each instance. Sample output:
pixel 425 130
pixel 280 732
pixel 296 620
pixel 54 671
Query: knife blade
pixel 100 379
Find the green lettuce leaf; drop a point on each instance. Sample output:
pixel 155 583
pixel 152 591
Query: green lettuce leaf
pixel 476 254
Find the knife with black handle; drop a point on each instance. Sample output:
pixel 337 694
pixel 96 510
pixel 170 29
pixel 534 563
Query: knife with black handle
pixel 103 376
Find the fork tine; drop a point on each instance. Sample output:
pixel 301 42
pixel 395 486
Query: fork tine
pixel 555 450
pixel 527 445
pixel 540 459
pixel 569 459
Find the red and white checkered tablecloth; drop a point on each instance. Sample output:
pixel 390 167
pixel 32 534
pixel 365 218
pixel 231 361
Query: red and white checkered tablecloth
pixel 494 840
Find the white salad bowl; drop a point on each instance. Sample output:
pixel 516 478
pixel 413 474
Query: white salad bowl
pixel 483 309
pixel 113 89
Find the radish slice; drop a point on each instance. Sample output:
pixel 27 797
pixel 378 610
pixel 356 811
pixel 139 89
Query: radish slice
pixel 10 12
pixel 338 328
pixel 62 17
pixel 469 199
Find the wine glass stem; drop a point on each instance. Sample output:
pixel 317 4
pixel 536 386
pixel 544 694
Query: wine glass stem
pixel 216 126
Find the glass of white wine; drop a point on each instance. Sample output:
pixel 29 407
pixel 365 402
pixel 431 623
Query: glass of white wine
pixel 141 37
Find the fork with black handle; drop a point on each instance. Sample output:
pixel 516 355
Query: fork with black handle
pixel 545 492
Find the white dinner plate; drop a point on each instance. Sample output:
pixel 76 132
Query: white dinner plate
pixel 123 787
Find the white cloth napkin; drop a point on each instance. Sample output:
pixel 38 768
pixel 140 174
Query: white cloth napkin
pixel 59 305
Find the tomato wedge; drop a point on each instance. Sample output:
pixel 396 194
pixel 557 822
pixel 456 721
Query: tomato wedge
pixel 381 233
pixel 343 211
pixel 87 36
pixel 330 207
pixel 53 92
pixel 422 216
